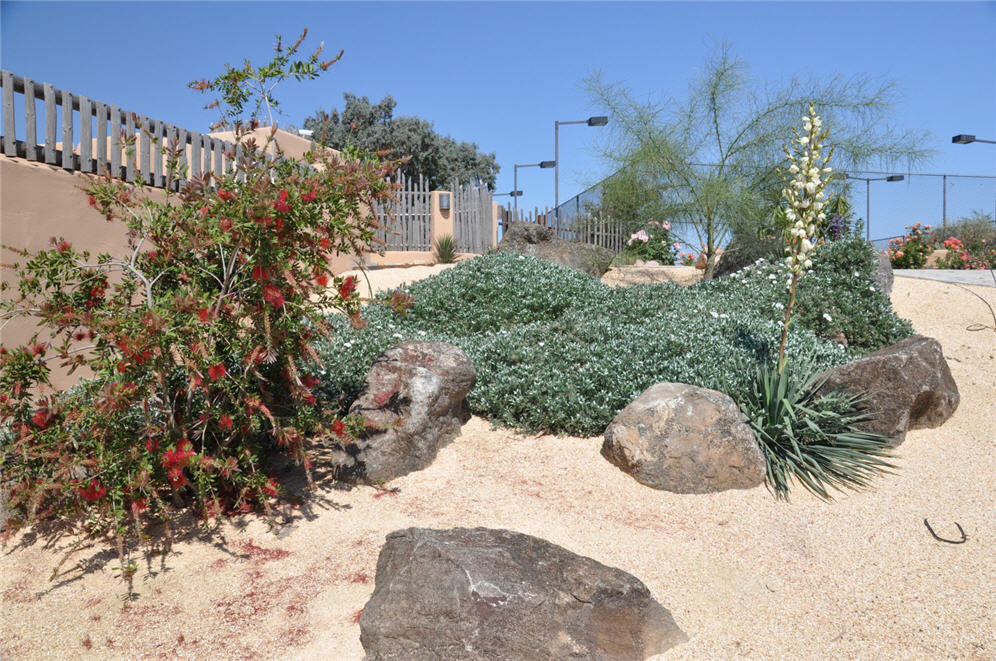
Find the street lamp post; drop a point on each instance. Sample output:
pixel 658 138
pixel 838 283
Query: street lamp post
pixel 598 120
pixel 965 139
pixel 868 180
pixel 515 178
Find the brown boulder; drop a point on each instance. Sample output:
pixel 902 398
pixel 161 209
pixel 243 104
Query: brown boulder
pixel 685 439
pixel 539 241
pixel 413 403
pixel 908 386
pixel 495 594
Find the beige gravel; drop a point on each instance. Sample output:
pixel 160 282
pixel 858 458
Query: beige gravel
pixel 745 576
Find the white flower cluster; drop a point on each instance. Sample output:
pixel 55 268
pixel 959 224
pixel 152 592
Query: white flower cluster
pixel 805 193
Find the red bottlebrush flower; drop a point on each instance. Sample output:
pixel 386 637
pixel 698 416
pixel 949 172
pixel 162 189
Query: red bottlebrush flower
pixel 309 197
pixel 92 200
pixel 38 349
pixel 281 203
pixel 325 243
pixel 278 223
pixel 273 295
pixel 203 210
pixel 41 418
pixel 123 366
pixel 322 280
pixel 226 195
pixel 216 372
pixel 347 287
pixel 63 246
pixel 225 224
pixel 138 506
pixel 270 488
pixel 260 273
pixel 176 477
pixel 339 428
pixel 225 422
pixel 92 492
pixel 204 314
pixel 151 444
pixel 310 381
pixel 179 455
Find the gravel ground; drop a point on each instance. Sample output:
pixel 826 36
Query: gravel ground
pixel 744 576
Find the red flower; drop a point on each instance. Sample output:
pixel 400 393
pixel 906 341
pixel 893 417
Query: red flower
pixel 176 477
pixel 278 223
pixel 63 246
pixel 179 455
pixel 322 280
pixel 281 203
pixel 216 372
pixel 204 314
pixel 308 197
pixel 325 243
pixel 225 224
pixel 273 295
pixel 151 444
pixel 93 492
pixel 347 287
pixel 225 422
pixel 270 488
pixel 41 418
pixel 38 349
pixel 339 428
pixel 260 273
pixel 92 200
pixel 227 196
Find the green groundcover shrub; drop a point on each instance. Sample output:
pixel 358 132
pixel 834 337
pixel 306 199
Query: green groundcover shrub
pixel 556 350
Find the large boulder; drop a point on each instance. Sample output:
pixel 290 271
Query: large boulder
pixel 542 242
pixel 626 276
pixel 685 439
pixel 908 386
pixel 495 594
pixel 413 402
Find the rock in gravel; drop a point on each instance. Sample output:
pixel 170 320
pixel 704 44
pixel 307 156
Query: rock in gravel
pixel 540 241
pixel 685 439
pixel 413 402
pixel 908 386
pixel 487 594
pixel 882 272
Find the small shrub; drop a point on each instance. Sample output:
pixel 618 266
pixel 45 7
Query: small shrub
pixel 653 242
pixel 912 250
pixel 445 250
pixel 813 441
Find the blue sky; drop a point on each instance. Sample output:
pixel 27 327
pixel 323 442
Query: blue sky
pixel 499 74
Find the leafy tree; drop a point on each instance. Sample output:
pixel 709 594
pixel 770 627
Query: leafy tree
pixel 709 163
pixel 374 128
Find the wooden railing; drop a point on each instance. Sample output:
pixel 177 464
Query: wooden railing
pixel 407 220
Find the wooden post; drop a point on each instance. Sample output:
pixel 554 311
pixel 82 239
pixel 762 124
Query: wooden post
pixel 86 145
pixel 31 151
pixel 50 119
pixel 115 134
pixel 9 134
pixel 67 130
pixel 101 138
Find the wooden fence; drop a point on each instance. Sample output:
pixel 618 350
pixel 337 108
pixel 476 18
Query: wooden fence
pixel 408 220
pixel 98 137
pixel 589 229
pixel 472 224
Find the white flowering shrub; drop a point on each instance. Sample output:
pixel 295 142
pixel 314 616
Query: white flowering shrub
pixel 557 350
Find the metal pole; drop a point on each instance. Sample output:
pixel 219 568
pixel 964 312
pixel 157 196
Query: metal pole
pixel 556 175
pixel 868 209
pixel 515 188
pixel 944 209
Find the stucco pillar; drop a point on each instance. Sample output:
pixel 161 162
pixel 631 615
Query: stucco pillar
pixel 441 219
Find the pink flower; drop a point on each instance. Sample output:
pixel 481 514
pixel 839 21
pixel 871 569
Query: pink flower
pixel 677 246
pixel 641 236
pixel 666 226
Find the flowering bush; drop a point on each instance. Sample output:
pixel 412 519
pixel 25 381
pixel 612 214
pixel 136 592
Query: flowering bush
pixel 687 259
pixel 200 337
pixel 654 242
pixel 912 250
pixel 959 257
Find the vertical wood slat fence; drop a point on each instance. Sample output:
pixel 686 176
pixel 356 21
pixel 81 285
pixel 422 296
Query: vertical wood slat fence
pixel 472 224
pixel 407 221
pixel 589 229
pixel 128 145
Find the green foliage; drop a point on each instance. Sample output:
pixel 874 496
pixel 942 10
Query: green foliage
pixel 653 242
pixel 445 249
pixel 912 250
pixel 375 129
pixel 971 242
pixel 813 441
pixel 557 350
pixel 200 337
pixel 710 159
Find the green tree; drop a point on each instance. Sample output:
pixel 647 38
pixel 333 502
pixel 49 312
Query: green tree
pixel 374 128
pixel 708 164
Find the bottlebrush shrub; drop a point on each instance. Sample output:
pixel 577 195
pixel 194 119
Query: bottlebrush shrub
pixel 557 350
pixel 201 338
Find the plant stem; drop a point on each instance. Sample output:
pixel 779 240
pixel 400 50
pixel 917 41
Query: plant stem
pixel 785 324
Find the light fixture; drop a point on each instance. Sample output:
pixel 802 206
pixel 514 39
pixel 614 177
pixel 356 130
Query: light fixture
pixel 868 180
pixel 597 120
pixel 515 179
pixel 444 201
pixel 964 139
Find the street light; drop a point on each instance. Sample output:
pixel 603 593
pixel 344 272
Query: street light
pixel 515 178
pixel 514 193
pixel 964 139
pixel 598 120
pixel 868 180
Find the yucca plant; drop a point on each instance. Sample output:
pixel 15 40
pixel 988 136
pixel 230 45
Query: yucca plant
pixel 446 249
pixel 812 440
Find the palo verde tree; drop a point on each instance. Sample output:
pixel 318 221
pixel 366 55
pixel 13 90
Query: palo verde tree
pixel 707 163
pixel 374 128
